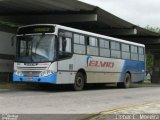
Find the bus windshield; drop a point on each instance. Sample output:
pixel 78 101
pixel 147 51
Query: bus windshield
pixel 36 48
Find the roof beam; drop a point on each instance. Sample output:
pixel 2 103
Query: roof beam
pixel 153 48
pixel 62 4
pixel 118 31
pixel 144 40
pixel 51 18
pixel 6 28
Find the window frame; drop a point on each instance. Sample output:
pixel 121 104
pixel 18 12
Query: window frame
pixel 98 47
pixel 79 38
pixel 125 44
pixel 87 40
pixel 104 39
pixel 100 39
pixel 134 53
pixel 68 54
pixel 115 42
pixel 111 49
pixel 139 50
pixel 131 49
pixel 141 54
pixel 125 51
pixel 80 34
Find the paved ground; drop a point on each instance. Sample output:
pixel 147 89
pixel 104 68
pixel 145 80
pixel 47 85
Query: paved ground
pixel 146 111
pixel 93 100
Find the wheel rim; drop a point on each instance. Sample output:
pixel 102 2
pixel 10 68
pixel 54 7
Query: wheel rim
pixel 79 82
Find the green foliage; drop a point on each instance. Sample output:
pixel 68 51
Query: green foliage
pixel 149 62
pixel 149 56
pixel 154 29
pixel 10 24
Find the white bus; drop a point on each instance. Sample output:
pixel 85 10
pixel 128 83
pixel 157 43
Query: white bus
pixel 55 54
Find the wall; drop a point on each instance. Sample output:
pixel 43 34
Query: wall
pixel 7 52
pixel 156 69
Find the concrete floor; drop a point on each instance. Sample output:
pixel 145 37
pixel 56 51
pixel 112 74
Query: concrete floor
pixel 89 101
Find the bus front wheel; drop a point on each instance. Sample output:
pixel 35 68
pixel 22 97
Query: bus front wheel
pixel 79 82
pixel 126 83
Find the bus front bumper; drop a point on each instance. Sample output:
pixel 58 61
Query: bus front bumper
pixel 41 79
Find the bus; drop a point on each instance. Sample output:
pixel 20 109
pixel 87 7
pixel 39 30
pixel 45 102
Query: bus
pixel 55 54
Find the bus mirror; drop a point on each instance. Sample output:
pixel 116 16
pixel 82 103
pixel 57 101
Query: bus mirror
pixel 13 40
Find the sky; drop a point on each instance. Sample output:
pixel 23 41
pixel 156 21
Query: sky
pixel 139 12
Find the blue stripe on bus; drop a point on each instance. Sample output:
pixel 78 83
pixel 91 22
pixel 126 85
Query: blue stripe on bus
pixel 132 67
pixel 45 79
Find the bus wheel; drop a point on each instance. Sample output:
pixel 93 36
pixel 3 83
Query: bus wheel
pixel 126 83
pixel 79 82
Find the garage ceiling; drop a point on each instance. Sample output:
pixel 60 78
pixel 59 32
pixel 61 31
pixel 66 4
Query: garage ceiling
pixel 71 13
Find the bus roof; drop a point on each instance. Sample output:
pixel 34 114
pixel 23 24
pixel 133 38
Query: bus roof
pixel 88 33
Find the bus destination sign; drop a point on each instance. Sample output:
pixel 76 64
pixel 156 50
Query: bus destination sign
pixel 36 29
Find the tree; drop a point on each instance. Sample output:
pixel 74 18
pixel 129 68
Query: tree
pixel 154 29
pixel 149 56
pixel 149 62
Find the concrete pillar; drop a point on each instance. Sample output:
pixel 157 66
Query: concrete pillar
pixel 156 69
pixel 7 52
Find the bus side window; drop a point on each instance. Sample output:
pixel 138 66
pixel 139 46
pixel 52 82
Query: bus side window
pixel 64 44
pixel 92 46
pixel 64 47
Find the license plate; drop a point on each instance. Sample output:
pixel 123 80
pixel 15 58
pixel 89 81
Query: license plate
pixel 30 78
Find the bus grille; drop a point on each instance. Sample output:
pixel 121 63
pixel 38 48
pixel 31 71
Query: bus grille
pixel 31 73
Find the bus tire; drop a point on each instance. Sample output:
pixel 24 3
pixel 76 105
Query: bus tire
pixel 126 83
pixel 79 82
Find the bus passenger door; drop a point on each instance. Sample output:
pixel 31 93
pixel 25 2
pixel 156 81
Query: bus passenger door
pixel 65 61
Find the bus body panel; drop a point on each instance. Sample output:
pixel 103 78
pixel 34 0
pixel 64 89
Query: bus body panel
pixel 31 72
pixel 52 79
pixel 103 70
pixel 99 69
pixel 64 77
pixel 135 68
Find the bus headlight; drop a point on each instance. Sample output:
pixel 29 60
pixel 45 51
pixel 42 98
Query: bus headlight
pixel 19 73
pixel 46 73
